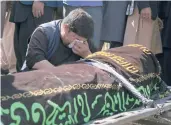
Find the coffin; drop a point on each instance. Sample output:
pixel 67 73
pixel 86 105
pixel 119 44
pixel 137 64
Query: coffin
pixel 78 93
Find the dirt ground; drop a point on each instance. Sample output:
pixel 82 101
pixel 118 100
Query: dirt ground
pixel 153 121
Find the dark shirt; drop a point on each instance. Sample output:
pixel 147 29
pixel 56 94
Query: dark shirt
pixel 38 48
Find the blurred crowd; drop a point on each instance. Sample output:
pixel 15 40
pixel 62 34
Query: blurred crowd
pixel 115 22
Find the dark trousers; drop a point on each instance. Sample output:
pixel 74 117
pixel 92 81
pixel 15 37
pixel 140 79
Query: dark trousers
pixel 167 66
pixel 23 31
pixel 165 62
pixel 114 44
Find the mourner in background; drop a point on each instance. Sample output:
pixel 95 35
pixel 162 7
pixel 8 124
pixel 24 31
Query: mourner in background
pixel 143 26
pixel 165 58
pixel 7 56
pixel 114 22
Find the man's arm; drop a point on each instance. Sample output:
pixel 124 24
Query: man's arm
pixel 37 51
pixel 44 64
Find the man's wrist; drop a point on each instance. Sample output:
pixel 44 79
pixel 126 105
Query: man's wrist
pixel 87 53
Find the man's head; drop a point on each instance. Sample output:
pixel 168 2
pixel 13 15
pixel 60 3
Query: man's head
pixel 78 25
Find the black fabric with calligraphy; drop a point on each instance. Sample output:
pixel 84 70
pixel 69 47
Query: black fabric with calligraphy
pixel 78 93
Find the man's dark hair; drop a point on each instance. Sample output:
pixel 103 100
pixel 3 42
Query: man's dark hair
pixel 80 22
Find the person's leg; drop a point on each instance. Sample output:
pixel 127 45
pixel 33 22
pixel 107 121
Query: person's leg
pixel 25 32
pixel 96 13
pixel 3 12
pixel 67 9
pixel 167 66
pixel 160 58
pixel 58 14
pixel 16 46
pixel 26 29
pixel 114 44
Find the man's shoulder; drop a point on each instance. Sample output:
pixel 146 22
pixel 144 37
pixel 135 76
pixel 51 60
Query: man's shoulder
pixel 51 30
pixel 50 27
pixel 50 24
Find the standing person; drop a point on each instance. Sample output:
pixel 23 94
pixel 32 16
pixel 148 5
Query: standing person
pixel 3 64
pixel 94 8
pixel 5 8
pixel 3 12
pixel 8 59
pixel 165 15
pixel 143 26
pixel 114 22
pixel 60 41
pixel 27 15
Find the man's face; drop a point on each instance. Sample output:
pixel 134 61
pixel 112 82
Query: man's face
pixel 78 44
pixel 70 36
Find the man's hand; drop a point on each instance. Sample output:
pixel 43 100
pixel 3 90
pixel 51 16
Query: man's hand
pixel 146 13
pixel 38 9
pixel 81 49
pixel 44 64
